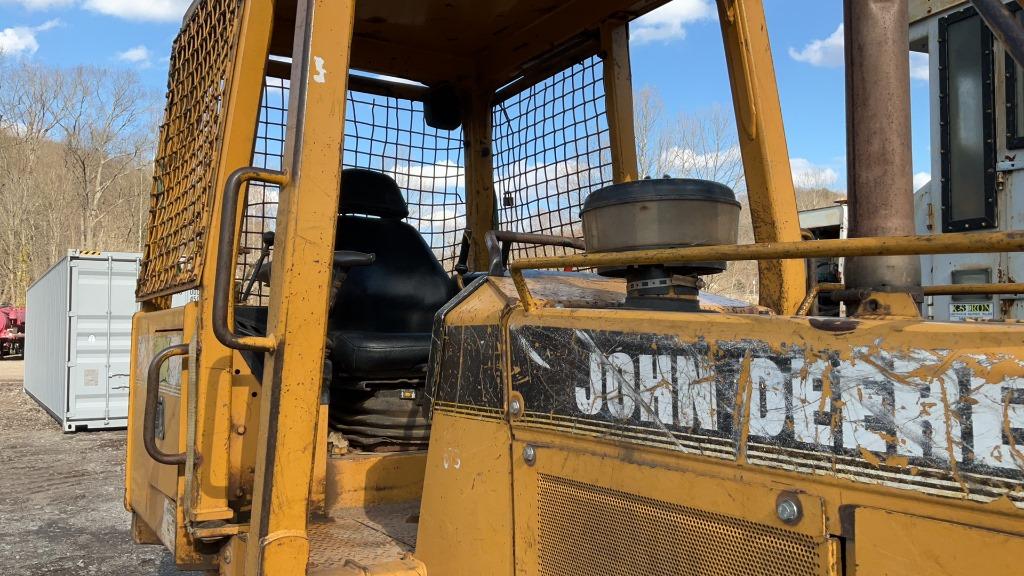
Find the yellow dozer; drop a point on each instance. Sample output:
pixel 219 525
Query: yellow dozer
pixel 408 309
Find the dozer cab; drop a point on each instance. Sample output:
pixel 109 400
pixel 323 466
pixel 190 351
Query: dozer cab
pixel 408 309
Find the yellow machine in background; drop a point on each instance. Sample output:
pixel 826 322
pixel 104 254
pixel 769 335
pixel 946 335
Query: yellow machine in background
pixel 350 362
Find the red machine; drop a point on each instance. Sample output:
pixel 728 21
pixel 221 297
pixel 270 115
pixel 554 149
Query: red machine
pixel 12 332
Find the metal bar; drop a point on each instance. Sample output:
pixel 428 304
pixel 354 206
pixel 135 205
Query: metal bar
pixel 618 89
pixel 813 295
pixel 224 284
pixel 498 255
pixel 481 206
pixel 763 144
pixel 973 289
pixel 152 398
pixel 299 296
pixel 1004 25
pixel 950 289
pixel 958 243
pixel 110 312
pixel 880 184
pixel 386 88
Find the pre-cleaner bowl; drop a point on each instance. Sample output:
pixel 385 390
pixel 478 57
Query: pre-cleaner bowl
pixel 664 213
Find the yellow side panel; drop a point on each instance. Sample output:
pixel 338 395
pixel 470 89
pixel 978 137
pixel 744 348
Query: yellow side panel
pixel 891 544
pixel 154 492
pixel 466 516
pixel 370 479
pixel 584 507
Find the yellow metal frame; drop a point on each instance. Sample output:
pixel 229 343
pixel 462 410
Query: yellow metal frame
pixel 278 543
pixel 763 145
pixel 271 450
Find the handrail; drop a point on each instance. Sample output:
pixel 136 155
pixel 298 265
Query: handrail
pixel 956 243
pixel 152 399
pixel 499 246
pixel 223 286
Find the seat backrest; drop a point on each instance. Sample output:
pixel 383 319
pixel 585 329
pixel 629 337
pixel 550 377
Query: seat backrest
pixel 406 285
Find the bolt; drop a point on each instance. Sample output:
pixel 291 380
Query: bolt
pixel 530 455
pixel 240 430
pixel 788 510
pixel 515 407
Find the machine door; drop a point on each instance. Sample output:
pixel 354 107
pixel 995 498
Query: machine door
pixel 154 490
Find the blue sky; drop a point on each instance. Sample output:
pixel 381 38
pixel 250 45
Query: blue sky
pixel 678 50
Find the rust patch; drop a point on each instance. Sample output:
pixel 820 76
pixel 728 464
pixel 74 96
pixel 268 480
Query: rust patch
pixel 834 325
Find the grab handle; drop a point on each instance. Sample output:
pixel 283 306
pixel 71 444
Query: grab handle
pixel 223 286
pixel 152 398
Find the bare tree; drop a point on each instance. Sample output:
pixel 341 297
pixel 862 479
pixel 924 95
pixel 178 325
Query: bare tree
pixel 105 139
pixel 74 166
pixel 704 145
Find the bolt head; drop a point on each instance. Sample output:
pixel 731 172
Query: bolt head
pixel 788 510
pixel 530 454
pixel 515 407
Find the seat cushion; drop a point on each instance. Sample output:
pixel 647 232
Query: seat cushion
pixel 377 355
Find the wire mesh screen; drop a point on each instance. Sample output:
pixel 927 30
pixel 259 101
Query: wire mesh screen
pixel 262 199
pixel 384 134
pixel 185 169
pixel 390 135
pixel 551 150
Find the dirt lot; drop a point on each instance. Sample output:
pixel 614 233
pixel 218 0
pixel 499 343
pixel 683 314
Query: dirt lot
pixel 61 508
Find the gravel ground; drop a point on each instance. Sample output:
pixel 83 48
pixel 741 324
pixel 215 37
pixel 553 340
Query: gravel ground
pixel 61 496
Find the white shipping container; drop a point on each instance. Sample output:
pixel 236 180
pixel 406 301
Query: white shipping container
pixel 78 345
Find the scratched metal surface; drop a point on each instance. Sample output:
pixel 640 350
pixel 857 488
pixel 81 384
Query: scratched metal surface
pixel 367 536
pixel 944 417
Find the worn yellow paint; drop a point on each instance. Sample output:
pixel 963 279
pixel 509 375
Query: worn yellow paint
pixel 307 216
pixel 481 204
pixel 405 567
pixel 763 144
pixel 618 89
pixel 466 514
pixel 370 479
pixel 152 490
pixel 892 544
pixel 209 482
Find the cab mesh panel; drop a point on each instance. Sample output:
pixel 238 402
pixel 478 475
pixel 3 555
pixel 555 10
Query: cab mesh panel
pixel 551 150
pixel 587 530
pixel 384 134
pixel 261 199
pixel 390 135
pixel 185 169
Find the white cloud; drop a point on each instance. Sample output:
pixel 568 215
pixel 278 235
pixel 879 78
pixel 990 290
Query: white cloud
pixel 152 10
pixel 919 66
pixel 138 55
pixel 830 53
pixel 921 179
pixel 427 178
pixel 666 23
pixel 809 175
pixel 39 4
pixel 827 53
pixel 22 39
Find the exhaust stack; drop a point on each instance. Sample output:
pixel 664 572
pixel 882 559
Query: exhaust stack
pixel 879 161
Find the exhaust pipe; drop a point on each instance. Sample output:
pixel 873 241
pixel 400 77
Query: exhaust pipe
pixel 879 161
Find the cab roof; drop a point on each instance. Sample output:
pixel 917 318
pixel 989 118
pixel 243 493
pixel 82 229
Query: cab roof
pixel 493 41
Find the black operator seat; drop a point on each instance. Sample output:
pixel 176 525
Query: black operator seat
pixel 381 322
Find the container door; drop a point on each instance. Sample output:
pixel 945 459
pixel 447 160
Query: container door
pixel 102 304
